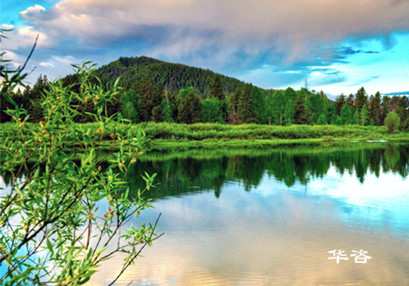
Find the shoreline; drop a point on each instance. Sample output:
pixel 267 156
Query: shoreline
pixel 173 136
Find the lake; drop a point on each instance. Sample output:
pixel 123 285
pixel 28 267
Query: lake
pixel 304 215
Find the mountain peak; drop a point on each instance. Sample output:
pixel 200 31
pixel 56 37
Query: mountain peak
pixel 172 75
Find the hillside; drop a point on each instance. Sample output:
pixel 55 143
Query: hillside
pixel 173 76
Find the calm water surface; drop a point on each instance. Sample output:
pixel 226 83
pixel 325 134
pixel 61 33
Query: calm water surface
pixel 270 217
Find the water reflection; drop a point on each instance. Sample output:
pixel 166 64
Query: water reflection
pixel 178 176
pixel 271 218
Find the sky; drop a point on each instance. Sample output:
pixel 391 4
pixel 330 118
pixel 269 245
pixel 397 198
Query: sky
pixel 330 45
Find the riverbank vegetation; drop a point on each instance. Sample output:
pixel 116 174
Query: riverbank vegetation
pixel 164 136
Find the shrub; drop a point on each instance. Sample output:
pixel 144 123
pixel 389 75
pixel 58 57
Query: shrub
pixel 392 122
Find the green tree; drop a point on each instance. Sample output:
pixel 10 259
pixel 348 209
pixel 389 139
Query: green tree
pixel 190 109
pixel 331 112
pixel 167 113
pixel 234 103
pixel 384 108
pixel 290 94
pixel 316 105
pixel 392 122
pixel 347 115
pixel 157 114
pixel 246 110
pixel 212 110
pixel 186 91
pixel 258 102
pixel 322 119
pixel 339 103
pixel 351 100
pixel 217 89
pixel 355 118
pixel 34 108
pixel 218 93
pixel 269 108
pixel 235 99
pixel 277 105
pixel 129 104
pixel 374 111
pixel 301 113
pixel 289 113
pixel 403 112
pixel 148 102
pixel 363 115
pixel 361 99
pixel 338 120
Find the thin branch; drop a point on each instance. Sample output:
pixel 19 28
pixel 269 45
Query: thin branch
pixel 29 55
pixel 136 255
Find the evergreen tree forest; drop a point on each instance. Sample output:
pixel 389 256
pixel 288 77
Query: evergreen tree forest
pixel 198 95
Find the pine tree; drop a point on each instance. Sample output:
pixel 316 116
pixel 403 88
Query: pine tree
pixel 361 99
pixel 218 93
pixel 331 113
pixel 34 107
pixel 234 103
pixel 403 112
pixel 246 111
pixel 384 108
pixel 339 103
pixel 374 111
pixel 259 104
pixel 351 100
pixel 301 112
pixel 157 115
pixel 148 100
pixel 190 109
pixel 235 98
pixel 217 89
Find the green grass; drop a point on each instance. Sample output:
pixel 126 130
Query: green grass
pixel 164 136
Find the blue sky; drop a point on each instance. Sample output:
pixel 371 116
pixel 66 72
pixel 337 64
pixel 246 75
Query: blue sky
pixel 336 46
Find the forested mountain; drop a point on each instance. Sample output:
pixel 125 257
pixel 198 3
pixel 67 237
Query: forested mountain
pixel 157 91
pixel 173 77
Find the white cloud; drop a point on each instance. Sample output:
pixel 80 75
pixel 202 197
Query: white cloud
pixel 32 12
pixel 7 27
pixel 45 64
pixel 292 28
pixel 218 34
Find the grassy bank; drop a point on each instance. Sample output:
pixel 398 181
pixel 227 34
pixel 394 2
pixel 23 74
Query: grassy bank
pixel 165 136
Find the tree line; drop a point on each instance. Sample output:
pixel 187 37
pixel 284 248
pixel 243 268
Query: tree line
pixel 144 101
